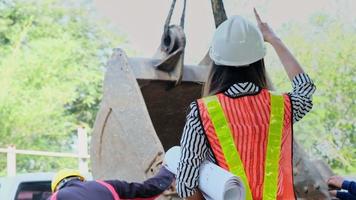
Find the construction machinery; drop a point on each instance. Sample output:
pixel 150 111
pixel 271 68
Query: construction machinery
pixel 143 111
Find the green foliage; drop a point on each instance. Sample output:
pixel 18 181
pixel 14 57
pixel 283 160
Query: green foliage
pixel 2 161
pixel 51 72
pixel 326 49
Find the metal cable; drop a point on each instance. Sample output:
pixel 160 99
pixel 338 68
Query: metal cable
pixel 183 14
pixel 168 20
pixel 170 13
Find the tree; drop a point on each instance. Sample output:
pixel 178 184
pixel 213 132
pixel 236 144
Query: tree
pixel 51 71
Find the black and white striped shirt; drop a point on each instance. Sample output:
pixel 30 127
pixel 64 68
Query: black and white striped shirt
pixel 195 147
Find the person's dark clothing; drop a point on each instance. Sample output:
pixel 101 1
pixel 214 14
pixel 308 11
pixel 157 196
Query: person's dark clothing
pixel 92 190
pixel 151 187
pixel 350 186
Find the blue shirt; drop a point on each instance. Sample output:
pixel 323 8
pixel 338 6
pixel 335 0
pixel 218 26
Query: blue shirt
pixel 350 186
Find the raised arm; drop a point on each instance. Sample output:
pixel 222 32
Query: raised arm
pixel 303 86
pixel 289 62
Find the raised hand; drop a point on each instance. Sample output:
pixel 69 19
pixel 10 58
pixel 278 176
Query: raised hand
pixel 267 32
pixel 289 62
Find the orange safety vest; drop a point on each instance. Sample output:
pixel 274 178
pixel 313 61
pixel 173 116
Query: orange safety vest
pixel 251 136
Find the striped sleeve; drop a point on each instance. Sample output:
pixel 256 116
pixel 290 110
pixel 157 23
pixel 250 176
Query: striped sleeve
pixel 301 96
pixel 194 150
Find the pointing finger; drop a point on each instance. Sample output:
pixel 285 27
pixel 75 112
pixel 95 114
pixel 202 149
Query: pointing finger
pixel 258 18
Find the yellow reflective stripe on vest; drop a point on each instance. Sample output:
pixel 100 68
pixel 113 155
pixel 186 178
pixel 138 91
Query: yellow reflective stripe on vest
pixel 226 140
pixel 270 187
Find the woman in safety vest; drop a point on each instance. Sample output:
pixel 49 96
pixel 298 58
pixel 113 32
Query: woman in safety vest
pixel 241 125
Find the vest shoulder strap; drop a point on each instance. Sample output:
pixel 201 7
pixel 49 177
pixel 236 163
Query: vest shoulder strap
pixel 110 188
pixel 224 134
pixel 54 196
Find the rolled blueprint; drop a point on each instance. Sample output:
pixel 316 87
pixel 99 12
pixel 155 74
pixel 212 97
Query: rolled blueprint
pixel 214 182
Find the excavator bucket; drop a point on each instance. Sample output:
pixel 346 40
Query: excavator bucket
pixel 141 109
pixel 144 106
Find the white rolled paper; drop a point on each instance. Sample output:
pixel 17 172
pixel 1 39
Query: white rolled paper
pixel 214 182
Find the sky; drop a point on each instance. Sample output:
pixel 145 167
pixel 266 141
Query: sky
pixel 142 20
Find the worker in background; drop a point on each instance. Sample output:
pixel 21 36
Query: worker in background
pixel 71 185
pixel 337 183
pixel 241 125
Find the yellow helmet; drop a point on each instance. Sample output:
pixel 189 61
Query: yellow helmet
pixel 62 174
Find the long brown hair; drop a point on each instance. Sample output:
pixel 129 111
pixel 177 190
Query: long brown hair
pixel 222 77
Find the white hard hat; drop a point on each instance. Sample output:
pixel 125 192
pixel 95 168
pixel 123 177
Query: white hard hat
pixel 237 42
